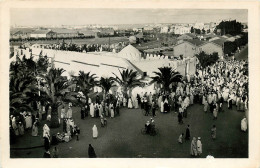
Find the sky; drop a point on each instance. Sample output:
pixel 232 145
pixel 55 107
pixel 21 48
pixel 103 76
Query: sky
pixel 72 16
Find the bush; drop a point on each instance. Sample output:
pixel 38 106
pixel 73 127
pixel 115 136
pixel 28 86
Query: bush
pixel 230 47
pixel 207 59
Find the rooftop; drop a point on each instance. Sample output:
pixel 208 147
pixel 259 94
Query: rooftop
pixel 41 31
pixel 219 42
pixel 62 30
pixel 195 42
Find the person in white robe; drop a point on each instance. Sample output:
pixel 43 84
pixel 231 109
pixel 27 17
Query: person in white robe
pixel 15 127
pixel 130 103
pixel 95 131
pixel 193 148
pixel 69 113
pixel 63 113
pixel 206 106
pixel 180 139
pixel 20 128
pixel 124 101
pixel 160 101
pixel 162 107
pixel 89 100
pixel 100 109
pixel 187 102
pixel 92 109
pixel 244 124
pixel 181 91
pixel 191 98
pixel 68 127
pixel 35 129
pixel 199 146
pixel 46 131
pixel 28 121
pixel 112 111
pixel 136 103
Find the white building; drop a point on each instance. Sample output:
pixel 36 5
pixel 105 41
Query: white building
pixel 164 29
pixel 181 30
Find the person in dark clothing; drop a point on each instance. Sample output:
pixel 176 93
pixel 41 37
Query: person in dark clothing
pixel 87 108
pixel 153 108
pixel 180 118
pixel 96 112
pixel 166 107
pixel 97 99
pixel 64 125
pixel 230 104
pixel 82 112
pixel 138 99
pixel 187 136
pixel 146 108
pixel 46 143
pixel 91 152
pixel 211 107
pixel 142 103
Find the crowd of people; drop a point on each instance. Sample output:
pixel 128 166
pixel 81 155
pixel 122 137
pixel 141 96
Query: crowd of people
pixel 85 47
pixel 224 81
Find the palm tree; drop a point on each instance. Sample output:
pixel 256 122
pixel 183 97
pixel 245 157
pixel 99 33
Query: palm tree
pixel 166 76
pixel 55 90
pixel 106 84
pixel 86 82
pixel 22 88
pixel 127 80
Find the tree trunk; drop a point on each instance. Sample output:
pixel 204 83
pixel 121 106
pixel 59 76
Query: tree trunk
pixel 54 117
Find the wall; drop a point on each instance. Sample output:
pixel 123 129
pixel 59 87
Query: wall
pixel 210 48
pixel 185 49
pixel 38 35
pixel 182 65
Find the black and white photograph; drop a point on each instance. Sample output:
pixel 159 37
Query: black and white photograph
pixel 129 83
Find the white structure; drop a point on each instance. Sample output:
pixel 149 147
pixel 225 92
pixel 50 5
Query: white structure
pixel 181 30
pixel 130 53
pixel 164 29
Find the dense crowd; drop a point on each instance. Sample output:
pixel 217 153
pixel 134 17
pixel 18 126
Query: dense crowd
pixel 85 47
pixel 225 81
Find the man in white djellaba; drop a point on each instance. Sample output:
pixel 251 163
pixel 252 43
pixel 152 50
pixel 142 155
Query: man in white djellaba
pixel 95 131
pixel 91 110
pixel 199 146
pixel 244 124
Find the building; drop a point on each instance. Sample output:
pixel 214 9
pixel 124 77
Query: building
pixel 164 29
pixel 87 33
pixel 65 33
pixel 106 32
pixel 22 33
pixel 43 34
pixel 213 46
pixel 181 30
pixel 187 48
pixel 187 36
pixel 148 28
